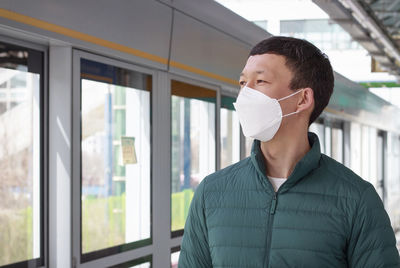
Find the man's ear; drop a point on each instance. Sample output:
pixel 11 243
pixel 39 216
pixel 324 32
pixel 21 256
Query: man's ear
pixel 306 102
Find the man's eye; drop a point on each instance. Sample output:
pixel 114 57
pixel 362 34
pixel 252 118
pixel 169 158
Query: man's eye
pixel 242 83
pixel 261 81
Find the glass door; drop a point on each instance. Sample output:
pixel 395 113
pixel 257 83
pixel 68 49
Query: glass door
pixel 193 145
pixel 112 178
pixel 22 158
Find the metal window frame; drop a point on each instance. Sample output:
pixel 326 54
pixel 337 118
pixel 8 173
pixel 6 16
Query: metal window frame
pixel 137 249
pixel 135 262
pixel 44 151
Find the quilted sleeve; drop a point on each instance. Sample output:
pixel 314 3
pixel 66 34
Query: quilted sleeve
pixel 372 242
pixel 195 252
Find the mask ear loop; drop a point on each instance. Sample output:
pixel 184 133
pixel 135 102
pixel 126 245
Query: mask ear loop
pixel 284 98
pixel 290 114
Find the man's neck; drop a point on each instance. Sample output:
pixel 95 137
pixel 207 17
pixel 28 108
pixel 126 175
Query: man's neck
pixel 282 153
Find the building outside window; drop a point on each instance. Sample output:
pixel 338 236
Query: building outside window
pixel 321 32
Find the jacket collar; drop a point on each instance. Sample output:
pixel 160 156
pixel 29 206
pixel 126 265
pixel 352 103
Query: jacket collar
pixel 309 162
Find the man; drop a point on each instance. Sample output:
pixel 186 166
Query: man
pixel 287 205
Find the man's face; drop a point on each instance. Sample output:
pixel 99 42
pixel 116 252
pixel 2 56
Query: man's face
pixel 268 74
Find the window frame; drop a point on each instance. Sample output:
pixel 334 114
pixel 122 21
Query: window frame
pixel 141 260
pixel 43 260
pixel 125 253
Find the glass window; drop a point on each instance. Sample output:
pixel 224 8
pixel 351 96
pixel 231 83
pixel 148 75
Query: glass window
pixel 328 141
pixel 337 144
pixel 248 145
pixel 262 24
pixel 115 157
pixel 21 165
pixel 380 166
pixel 175 259
pixel 355 148
pixel 392 186
pixel 193 145
pixel 230 133
pixel 318 129
pixel 368 155
pixel 373 159
pixel 364 152
pixel 321 32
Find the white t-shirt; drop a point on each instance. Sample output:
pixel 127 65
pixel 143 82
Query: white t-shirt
pixel 276 182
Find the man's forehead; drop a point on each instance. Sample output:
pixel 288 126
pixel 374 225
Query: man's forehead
pixel 255 71
pixel 258 70
pixel 268 64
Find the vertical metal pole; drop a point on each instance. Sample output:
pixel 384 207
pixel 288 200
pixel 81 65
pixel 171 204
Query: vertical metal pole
pixel 218 129
pixel 108 143
pixel 62 104
pixel 161 162
pixel 186 146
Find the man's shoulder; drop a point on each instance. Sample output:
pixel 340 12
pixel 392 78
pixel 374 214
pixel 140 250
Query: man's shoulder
pixel 224 177
pixel 342 176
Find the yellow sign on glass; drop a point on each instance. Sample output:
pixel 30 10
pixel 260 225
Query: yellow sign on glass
pixel 128 150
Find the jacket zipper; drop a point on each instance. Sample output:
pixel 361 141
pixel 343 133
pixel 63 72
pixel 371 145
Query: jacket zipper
pixel 269 233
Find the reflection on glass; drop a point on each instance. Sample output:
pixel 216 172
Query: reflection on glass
pixel 337 144
pixel 192 145
pixel 115 157
pixel 321 32
pixel 355 148
pixel 318 129
pixel 230 133
pixel 364 161
pixel 393 182
pixel 175 259
pixel 373 160
pixel 263 24
pixel 248 144
pixel 365 153
pixel 19 166
pixel 143 265
pixel 368 155
pixel 380 168
pixel 328 141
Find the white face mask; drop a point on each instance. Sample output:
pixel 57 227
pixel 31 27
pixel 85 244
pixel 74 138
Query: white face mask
pixel 260 116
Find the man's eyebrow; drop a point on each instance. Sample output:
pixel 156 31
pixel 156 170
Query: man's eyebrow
pixel 257 72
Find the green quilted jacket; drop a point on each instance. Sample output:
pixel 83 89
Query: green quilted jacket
pixel 324 215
